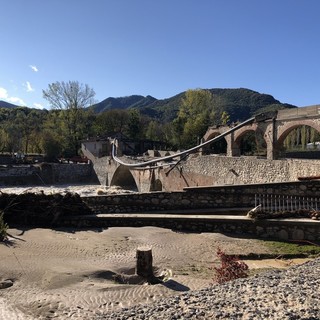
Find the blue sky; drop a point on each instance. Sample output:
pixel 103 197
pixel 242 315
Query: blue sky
pixel 160 48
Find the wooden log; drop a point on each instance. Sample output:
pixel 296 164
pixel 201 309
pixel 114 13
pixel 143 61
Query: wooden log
pixel 144 262
pixel 308 178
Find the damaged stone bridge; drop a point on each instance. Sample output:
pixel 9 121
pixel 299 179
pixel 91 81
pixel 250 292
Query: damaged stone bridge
pixel 199 169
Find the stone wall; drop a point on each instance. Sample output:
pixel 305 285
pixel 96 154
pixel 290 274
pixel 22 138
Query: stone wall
pixel 245 170
pixel 74 211
pixel 19 175
pixel 265 229
pixel 74 173
pixel 210 170
pixel 47 173
pixel 232 196
pixel 104 169
pixel 239 197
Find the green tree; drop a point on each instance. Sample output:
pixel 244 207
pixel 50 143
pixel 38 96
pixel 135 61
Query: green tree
pixel 195 115
pixel 134 128
pixel 155 131
pixel 51 145
pixel 53 134
pixel 225 118
pixel 111 121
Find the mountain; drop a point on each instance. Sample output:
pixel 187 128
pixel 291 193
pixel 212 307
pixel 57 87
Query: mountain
pixel 123 103
pixel 4 104
pixel 240 104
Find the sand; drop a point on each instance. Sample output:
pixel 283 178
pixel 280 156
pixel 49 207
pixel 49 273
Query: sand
pixel 68 274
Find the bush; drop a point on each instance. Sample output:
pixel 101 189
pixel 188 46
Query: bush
pixel 231 268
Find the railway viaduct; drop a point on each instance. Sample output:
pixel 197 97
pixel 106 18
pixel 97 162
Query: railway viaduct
pixel 273 131
pixel 205 170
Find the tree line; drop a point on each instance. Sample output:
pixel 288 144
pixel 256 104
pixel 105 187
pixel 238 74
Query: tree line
pixel 58 132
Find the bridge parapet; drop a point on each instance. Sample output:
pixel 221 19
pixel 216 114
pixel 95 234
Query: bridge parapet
pixel 297 113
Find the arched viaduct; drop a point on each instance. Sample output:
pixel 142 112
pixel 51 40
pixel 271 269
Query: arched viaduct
pixel 273 131
pixel 214 170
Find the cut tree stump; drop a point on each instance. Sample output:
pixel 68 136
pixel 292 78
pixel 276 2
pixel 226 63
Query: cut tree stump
pixel 144 262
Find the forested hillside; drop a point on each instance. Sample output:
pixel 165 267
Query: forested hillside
pixel 179 121
pixel 240 104
pixel 123 103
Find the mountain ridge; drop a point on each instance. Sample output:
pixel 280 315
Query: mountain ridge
pixel 8 105
pixel 239 103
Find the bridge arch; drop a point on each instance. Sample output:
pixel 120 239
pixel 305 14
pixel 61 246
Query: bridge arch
pixel 123 178
pixel 259 139
pixel 220 146
pixel 287 127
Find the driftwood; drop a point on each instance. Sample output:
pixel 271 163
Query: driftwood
pixel 258 213
pixel 309 178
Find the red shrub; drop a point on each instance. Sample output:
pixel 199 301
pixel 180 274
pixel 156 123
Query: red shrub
pixel 231 268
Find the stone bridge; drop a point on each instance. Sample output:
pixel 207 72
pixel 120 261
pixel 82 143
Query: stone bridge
pixel 272 131
pixel 207 170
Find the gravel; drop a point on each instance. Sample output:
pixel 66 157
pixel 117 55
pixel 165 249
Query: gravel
pixel 287 294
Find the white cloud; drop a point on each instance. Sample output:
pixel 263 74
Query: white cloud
pixel 27 85
pixel 3 93
pixel 16 100
pixel 34 68
pixel 5 96
pixel 38 105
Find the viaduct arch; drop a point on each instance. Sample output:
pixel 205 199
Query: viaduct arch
pixel 272 131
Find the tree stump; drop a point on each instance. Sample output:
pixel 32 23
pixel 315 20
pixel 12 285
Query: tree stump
pixel 144 262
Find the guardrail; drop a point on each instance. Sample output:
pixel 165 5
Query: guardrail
pixel 280 203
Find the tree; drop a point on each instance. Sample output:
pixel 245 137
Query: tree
pixel 225 118
pixel 194 116
pixel 134 128
pixel 111 121
pixel 155 131
pixel 51 145
pixel 71 98
pixel 69 95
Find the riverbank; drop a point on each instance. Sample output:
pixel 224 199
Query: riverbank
pixel 68 273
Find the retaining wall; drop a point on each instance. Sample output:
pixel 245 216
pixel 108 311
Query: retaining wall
pixel 281 229
pixel 74 211
pixel 232 196
pixel 246 170
pixel 47 173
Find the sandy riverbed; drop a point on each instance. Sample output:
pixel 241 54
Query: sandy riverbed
pixel 67 274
